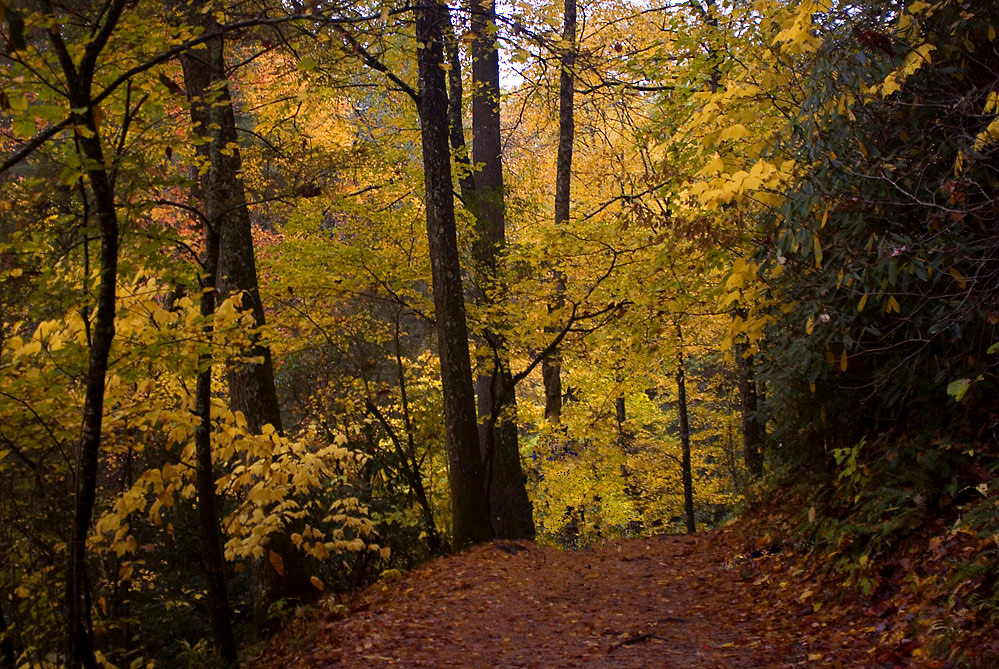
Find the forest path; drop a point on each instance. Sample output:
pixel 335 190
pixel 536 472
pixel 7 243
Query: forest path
pixel 669 601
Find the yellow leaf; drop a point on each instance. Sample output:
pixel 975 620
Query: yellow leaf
pixel 987 136
pixel 737 131
pixel 32 347
pixel 276 562
pixel 21 592
pixel 316 583
pixel 815 657
pixel 862 303
pixel 958 277
pixel 818 251
pixel 889 86
pixel 714 166
pixel 842 361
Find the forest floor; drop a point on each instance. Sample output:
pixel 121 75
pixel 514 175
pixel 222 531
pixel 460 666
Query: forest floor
pixel 694 601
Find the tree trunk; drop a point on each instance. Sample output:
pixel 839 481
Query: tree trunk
pixel 624 438
pixel 251 385
pixel 223 197
pixel 551 367
pixel 466 183
pixel 469 507
pixel 688 479
pixel 752 428
pixel 509 507
pixel 79 642
pixel 208 514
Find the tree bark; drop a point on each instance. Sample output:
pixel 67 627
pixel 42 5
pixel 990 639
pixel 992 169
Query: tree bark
pixel 466 183
pixel 251 385
pixel 688 479
pixel 551 367
pixel 753 431
pixel 79 642
pixel 621 415
pixel 509 507
pixel 208 514
pixel 223 197
pixel 469 507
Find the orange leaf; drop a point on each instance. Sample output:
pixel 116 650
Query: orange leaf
pixel 277 563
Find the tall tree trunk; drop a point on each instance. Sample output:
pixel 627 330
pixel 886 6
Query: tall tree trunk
pixel 251 385
pixel 509 507
pixel 211 108
pixel 551 367
pixel 681 391
pixel 469 507
pixel 208 514
pixel 753 431
pixel 80 646
pixel 223 197
pixel 466 182
pixel 79 73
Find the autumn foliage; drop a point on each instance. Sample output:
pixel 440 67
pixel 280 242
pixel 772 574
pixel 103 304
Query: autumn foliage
pixel 295 298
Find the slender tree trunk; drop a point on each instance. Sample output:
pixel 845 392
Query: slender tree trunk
pixel 208 514
pixel 551 367
pixel 623 436
pixel 80 648
pixel 469 507
pixel 205 82
pixel 509 507
pixel 688 479
pixel 466 183
pixel 251 385
pixel 79 642
pixel 752 428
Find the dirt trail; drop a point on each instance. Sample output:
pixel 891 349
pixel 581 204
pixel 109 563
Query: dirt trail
pixel 673 601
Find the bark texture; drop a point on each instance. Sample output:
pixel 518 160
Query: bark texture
pixel 208 514
pixel 688 479
pixel 469 508
pixel 753 431
pixel 251 385
pixel 510 511
pixel 79 74
pixel 223 202
pixel 551 367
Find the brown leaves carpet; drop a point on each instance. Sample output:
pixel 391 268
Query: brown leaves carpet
pixel 670 601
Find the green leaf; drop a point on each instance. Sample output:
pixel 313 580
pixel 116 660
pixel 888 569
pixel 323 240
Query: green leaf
pixel 958 388
pixel 23 128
